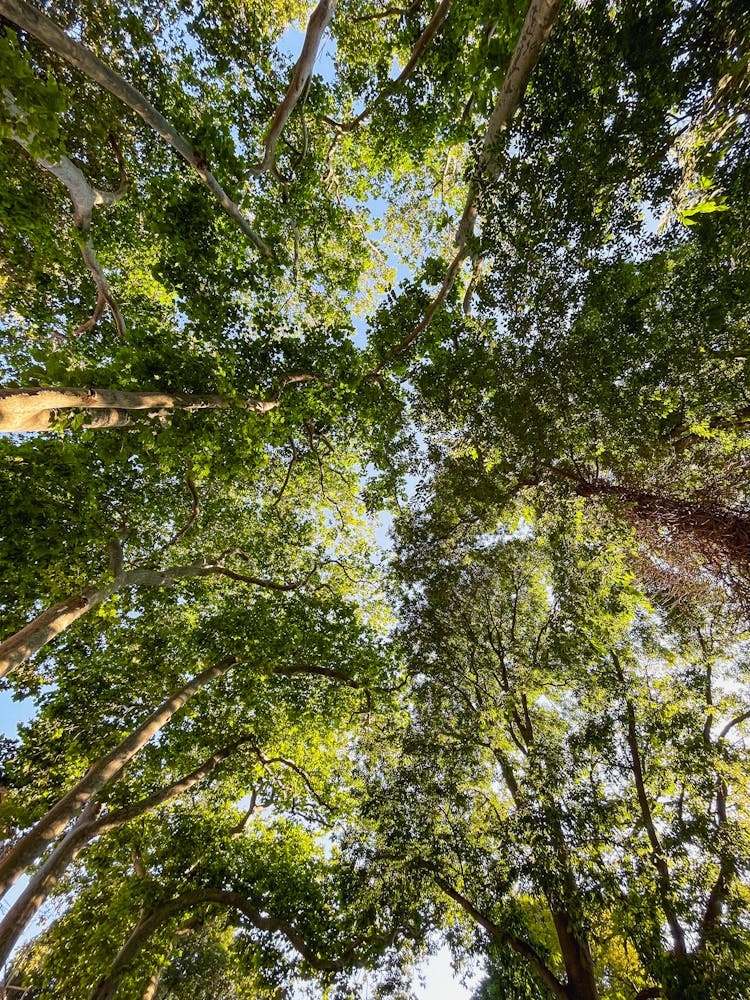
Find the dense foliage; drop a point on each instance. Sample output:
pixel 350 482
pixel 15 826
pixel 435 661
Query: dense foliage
pixel 278 278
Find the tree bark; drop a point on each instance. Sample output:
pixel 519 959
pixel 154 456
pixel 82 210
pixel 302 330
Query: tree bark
pixel 50 34
pixel 86 828
pixel 16 649
pixel 33 409
pixel 301 77
pixel 36 841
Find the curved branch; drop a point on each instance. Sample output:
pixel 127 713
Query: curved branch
pixel 50 34
pixel 107 987
pixel 299 83
pixel 736 721
pixel 194 513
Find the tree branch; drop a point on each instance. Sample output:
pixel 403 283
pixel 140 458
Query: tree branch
pixel 536 29
pixel 298 85
pixel 439 15
pixel 657 851
pixel 521 947
pixel 50 34
pixel 270 924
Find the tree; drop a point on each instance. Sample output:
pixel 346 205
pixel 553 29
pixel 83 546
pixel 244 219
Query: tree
pixel 574 809
pixel 212 381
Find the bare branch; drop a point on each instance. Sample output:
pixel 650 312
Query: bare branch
pixel 298 85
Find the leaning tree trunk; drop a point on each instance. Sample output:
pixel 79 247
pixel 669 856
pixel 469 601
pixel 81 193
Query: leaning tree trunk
pixel 34 843
pixel 17 648
pixel 718 533
pixel 86 828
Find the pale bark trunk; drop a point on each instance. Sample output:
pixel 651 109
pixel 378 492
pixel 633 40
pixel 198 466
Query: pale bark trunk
pixel 33 409
pixel 85 829
pixel 536 29
pixel 17 648
pixel 301 77
pixel 34 843
pixel 50 34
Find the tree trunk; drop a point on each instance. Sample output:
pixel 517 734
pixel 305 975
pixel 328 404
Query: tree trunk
pixel 17 648
pixel 34 843
pixel 77 55
pixel 301 77
pixel 579 967
pixel 84 830
pixel 34 409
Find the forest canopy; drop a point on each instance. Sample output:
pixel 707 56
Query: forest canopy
pixel 374 498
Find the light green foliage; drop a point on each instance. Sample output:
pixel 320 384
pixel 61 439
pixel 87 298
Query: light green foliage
pixel 571 568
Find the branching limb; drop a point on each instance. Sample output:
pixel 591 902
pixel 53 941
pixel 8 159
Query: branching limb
pixel 84 197
pixel 299 84
pixel 521 947
pixel 107 988
pixel 50 34
pixel 440 14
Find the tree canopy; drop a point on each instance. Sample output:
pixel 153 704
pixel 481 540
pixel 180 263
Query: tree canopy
pixel 375 521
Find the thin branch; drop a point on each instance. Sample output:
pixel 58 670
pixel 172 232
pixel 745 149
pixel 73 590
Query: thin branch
pixel 194 513
pixel 658 856
pixel 440 14
pixel 736 721
pixel 389 12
